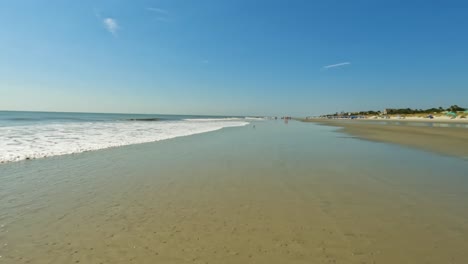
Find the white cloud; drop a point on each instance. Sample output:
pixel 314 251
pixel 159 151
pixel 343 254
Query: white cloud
pixel 158 10
pixel 111 25
pixel 336 65
pixel 205 61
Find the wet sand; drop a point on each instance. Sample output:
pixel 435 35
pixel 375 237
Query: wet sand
pixel 444 140
pixel 276 193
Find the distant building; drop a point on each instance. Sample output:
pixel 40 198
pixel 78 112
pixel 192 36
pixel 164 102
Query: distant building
pixel 387 110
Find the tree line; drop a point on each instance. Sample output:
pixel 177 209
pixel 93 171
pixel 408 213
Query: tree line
pixel 407 111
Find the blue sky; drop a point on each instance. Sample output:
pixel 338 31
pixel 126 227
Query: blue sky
pixel 244 57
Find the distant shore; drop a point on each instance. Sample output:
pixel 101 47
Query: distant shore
pixel 413 118
pixel 450 140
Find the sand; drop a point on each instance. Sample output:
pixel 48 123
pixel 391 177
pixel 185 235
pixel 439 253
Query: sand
pixel 435 119
pixel 447 140
pixel 276 193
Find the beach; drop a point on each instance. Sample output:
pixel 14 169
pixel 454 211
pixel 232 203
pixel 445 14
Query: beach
pixel 441 136
pixel 233 132
pixel 273 193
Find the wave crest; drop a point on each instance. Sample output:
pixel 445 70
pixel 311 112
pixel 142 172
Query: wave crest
pixel 39 141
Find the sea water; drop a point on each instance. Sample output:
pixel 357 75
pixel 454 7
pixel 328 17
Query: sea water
pixel 267 192
pixel 30 135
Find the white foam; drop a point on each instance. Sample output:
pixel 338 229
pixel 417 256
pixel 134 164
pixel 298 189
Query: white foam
pixel 214 119
pixel 38 141
pixel 225 119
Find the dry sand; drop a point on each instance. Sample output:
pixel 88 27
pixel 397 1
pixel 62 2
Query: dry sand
pixel 444 140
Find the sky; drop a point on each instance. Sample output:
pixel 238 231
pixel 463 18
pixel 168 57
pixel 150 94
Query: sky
pixel 226 57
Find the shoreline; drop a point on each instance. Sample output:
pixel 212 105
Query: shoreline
pixel 36 141
pixel 451 141
pixel 237 196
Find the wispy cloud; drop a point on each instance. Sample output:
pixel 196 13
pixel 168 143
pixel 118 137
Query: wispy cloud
pixel 336 65
pixel 161 14
pixel 205 61
pixel 158 10
pixel 111 25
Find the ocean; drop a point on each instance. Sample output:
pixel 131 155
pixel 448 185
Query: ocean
pixel 31 135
